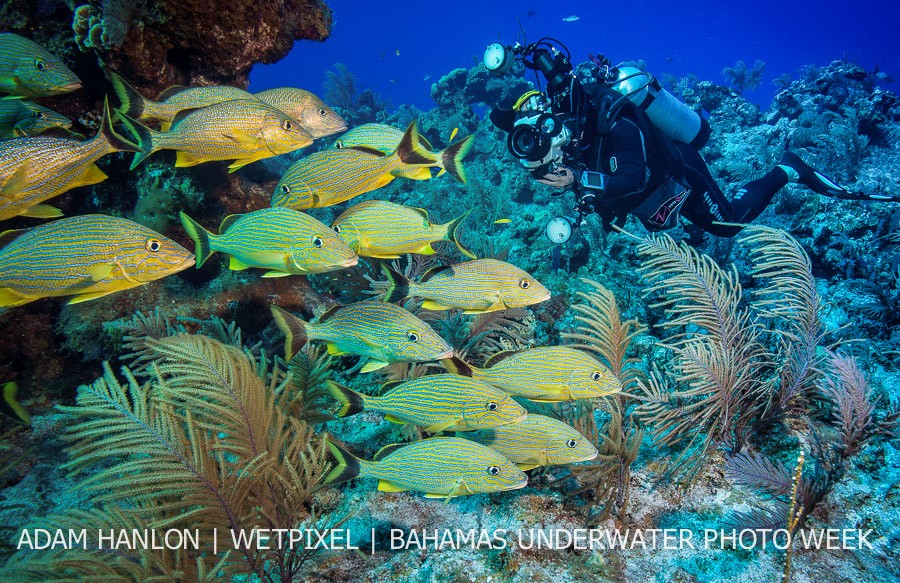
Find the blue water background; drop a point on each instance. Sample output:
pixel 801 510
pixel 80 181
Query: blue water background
pixel 699 37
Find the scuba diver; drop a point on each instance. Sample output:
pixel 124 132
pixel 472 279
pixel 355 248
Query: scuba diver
pixel 627 146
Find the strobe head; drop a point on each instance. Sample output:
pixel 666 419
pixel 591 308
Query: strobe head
pixel 498 59
pixel 555 67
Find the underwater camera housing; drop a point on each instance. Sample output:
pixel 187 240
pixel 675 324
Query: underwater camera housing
pixel 538 139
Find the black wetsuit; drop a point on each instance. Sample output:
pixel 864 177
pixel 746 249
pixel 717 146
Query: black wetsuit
pixel 646 170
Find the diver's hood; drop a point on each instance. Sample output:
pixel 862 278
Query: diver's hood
pixel 504 116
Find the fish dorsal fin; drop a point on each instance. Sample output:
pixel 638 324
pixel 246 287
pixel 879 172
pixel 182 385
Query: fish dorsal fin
pixel 179 117
pixel 329 313
pixel 387 450
pixel 227 222
pixel 10 235
pixel 420 211
pixel 368 150
pixel 170 91
pixel 389 386
pixel 494 359
pixel 435 271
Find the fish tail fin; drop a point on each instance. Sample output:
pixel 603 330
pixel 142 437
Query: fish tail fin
pixel 351 401
pixel 452 235
pixel 200 236
pixel 411 151
pixel 398 285
pixel 456 365
pixel 11 406
pixel 117 142
pixel 131 103
pixel 347 467
pixel 142 135
pixel 294 330
pixel 451 158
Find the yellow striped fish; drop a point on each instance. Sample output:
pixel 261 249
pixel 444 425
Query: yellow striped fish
pixel 28 69
pixel 382 332
pixel 33 170
pixel 332 176
pixel 312 113
pixel 170 102
pixel 385 138
pixel 537 441
pixel 11 407
pixel 88 257
pixel 20 118
pixel 475 287
pixel 441 467
pixel 385 230
pixel 436 402
pixel 243 130
pixel 284 241
pixel 546 373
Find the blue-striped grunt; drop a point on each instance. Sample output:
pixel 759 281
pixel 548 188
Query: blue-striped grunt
pixel 545 373
pixel 332 176
pixel 243 130
pixel 382 332
pixel 441 467
pixel 385 138
pixel 30 70
pixel 170 102
pixel 10 406
pixel 316 118
pixel 283 241
pixel 437 402
pixel 20 118
pixel 88 257
pixel 475 287
pixel 382 229
pixel 33 170
pixel 537 441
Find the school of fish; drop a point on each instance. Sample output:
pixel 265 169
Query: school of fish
pixel 91 256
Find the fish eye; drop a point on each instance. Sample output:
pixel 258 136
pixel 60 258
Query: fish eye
pixel 318 242
pixel 287 125
pixel 39 114
pixel 337 228
pixel 524 284
pixel 493 470
pixel 571 443
pixel 40 65
pixel 595 376
pixel 412 336
pixel 492 406
pixel 323 112
pixel 153 245
pixel 285 189
pixel 339 144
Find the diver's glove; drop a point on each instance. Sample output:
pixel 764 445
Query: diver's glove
pixel 802 173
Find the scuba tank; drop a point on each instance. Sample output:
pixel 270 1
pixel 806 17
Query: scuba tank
pixel 675 119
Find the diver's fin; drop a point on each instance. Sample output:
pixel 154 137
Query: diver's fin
pixel 351 401
pixel 293 328
pixel 42 211
pixel 200 236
